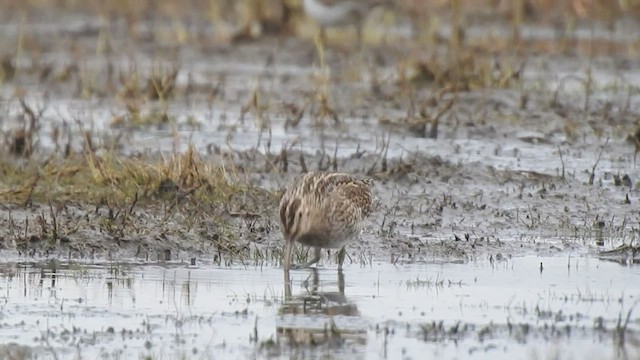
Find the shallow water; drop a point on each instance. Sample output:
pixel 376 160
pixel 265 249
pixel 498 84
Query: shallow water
pixel 505 309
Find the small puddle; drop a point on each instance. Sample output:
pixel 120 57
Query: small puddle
pixel 495 310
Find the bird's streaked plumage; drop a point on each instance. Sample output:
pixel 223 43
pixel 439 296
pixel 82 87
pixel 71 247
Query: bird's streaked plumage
pixel 324 210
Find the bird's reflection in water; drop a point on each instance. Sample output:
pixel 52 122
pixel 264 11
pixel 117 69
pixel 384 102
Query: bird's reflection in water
pixel 309 314
pixel 312 301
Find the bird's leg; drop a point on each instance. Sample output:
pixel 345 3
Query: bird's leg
pixel 316 280
pixel 287 255
pixel 316 258
pixel 341 254
pixel 287 285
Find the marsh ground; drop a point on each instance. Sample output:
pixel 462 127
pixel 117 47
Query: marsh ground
pixel 144 134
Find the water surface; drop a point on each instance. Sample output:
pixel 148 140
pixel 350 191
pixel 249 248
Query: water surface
pixel 495 310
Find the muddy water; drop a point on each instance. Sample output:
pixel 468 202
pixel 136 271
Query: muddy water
pixel 506 309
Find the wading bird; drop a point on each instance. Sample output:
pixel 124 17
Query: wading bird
pixel 328 13
pixel 324 210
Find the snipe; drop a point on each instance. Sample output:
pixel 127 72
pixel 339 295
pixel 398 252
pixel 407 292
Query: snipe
pixel 324 210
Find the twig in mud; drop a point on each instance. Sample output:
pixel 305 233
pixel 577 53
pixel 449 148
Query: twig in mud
pixel 35 182
pixel 524 100
pixel 67 147
pixel 22 142
pixel 321 164
pixel 243 215
pixel 372 169
pixel 169 211
pixel 433 130
pixel 303 165
pixel 283 160
pixel 87 143
pixel 269 139
pixel 386 151
pixel 133 204
pixel 593 170
pixel 54 220
pixel 26 226
pixel 561 161
pixel 268 163
pixel 297 114
pixel 323 144
pixel 627 104
pixel 33 117
pixel 334 163
pixel 588 84
pixel 390 213
pixel 358 154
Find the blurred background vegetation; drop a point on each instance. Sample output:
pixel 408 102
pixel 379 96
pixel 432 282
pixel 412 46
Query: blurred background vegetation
pixel 232 20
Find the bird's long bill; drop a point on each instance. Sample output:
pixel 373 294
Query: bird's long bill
pixel 287 254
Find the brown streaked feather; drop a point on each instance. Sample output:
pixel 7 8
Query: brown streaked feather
pixel 283 213
pixel 328 205
pixel 359 195
pixel 288 214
